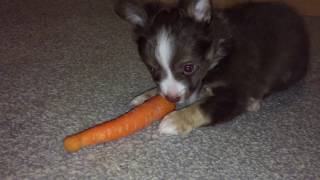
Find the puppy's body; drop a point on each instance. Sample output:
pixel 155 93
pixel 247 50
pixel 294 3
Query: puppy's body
pixel 217 63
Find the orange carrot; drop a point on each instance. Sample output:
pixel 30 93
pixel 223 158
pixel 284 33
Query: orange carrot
pixel 138 118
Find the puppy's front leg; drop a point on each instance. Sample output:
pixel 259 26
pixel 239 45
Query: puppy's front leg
pixel 143 97
pixel 224 105
pixel 184 120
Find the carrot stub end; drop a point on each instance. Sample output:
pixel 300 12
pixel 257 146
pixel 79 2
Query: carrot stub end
pixel 136 119
pixel 72 144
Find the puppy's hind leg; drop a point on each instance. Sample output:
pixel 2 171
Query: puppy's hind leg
pixel 253 104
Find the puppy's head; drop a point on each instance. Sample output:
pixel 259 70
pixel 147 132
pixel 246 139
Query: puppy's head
pixel 174 42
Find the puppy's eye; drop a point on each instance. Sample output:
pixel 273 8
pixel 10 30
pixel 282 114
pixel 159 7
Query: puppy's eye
pixel 155 72
pixel 188 69
pixel 153 69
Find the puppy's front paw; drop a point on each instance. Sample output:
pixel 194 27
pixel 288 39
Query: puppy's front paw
pixel 183 121
pixel 175 124
pixel 143 97
pixel 139 100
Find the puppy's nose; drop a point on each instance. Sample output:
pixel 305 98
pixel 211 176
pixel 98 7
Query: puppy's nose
pixel 173 99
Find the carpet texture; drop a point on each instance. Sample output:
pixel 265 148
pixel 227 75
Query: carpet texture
pixel 68 65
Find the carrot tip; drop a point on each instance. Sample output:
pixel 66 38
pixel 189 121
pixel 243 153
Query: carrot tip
pixel 72 144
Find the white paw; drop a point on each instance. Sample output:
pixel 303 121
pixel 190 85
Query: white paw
pixel 175 124
pixel 167 126
pixel 253 104
pixel 138 100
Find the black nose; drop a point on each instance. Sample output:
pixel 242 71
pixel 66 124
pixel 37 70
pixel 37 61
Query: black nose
pixel 173 99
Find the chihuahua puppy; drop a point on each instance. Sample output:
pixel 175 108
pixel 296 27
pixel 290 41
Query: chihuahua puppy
pixel 215 63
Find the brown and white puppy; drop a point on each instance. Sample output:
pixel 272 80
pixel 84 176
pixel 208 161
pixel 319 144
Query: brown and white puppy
pixel 216 64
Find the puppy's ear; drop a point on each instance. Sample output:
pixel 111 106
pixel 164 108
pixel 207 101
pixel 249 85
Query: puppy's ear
pixel 131 11
pixel 200 10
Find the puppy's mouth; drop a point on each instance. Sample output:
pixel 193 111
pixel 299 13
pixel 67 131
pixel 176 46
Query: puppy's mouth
pixel 174 98
pixel 182 99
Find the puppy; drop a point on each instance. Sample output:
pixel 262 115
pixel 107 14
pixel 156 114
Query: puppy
pixel 216 64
